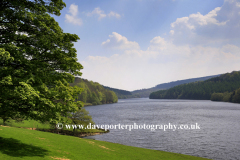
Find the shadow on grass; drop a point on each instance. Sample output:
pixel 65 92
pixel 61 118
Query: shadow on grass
pixel 15 148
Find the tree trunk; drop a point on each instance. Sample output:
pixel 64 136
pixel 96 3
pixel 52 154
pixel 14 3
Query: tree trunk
pixel 4 121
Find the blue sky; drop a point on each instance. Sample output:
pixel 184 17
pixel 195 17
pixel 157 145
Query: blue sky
pixel 135 44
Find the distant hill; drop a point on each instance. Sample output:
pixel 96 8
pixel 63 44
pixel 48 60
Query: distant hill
pixel 201 89
pixel 121 94
pixel 176 83
pixel 164 86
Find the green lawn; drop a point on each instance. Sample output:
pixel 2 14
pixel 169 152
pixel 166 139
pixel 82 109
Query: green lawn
pixel 20 143
pixel 32 124
pixel 27 124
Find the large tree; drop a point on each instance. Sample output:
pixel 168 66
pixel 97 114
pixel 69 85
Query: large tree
pixel 37 62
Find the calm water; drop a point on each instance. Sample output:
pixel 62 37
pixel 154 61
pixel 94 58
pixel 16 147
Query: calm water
pixel 218 137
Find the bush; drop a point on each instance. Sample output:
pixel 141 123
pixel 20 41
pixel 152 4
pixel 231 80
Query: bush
pixel 217 97
pixel 236 96
pixel 226 96
pixel 82 117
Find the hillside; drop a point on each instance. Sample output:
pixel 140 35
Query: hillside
pixel 93 93
pixel 164 86
pixel 121 94
pixel 233 97
pixel 202 89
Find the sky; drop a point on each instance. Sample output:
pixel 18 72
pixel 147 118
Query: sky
pixel 137 44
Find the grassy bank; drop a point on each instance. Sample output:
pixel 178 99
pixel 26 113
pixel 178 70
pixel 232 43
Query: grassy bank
pixel 16 143
pixel 27 124
pixel 35 125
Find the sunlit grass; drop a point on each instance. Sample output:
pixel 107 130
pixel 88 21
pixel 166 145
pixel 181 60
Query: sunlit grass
pixel 19 143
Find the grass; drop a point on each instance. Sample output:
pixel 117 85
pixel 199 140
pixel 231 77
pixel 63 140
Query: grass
pixel 43 126
pixel 20 143
pixel 27 124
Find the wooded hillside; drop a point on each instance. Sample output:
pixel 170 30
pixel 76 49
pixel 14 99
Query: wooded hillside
pixel 201 90
pixel 94 93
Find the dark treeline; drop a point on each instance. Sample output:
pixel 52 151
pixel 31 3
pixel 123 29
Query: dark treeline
pixel 202 90
pixel 93 93
pixel 185 81
pixel 227 96
pixel 147 91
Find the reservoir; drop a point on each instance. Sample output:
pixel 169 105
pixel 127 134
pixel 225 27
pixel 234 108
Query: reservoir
pixel 219 122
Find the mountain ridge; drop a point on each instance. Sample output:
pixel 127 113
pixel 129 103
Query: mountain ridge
pixel 201 90
pixel 141 93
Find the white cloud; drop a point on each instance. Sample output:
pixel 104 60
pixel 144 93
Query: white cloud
pixel 171 32
pixel 118 41
pixel 72 17
pixel 208 19
pixel 97 11
pixel 114 14
pixel 73 20
pixel 161 62
pixel 157 43
pixel 218 26
pixel 73 9
pixel 198 45
pixel 100 14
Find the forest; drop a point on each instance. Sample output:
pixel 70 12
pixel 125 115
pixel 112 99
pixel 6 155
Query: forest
pixel 204 90
pixel 93 93
pixel 145 92
pixel 164 86
pixel 227 96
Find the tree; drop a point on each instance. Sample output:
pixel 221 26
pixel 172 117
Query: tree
pixel 82 117
pixel 203 89
pixel 236 96
pixel 94 93
pixel 37 62
pixel 217 97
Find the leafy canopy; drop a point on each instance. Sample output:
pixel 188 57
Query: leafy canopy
pixel 37 62
pixel 94 93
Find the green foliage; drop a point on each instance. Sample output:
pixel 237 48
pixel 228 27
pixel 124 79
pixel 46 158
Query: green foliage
pixel 217 97
pixel 94 93
pixel 202 90
pixel 82 117
pixel 164 86
pixel 37 62
pixel 235 96
pixel 227 96
pixel 123 94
